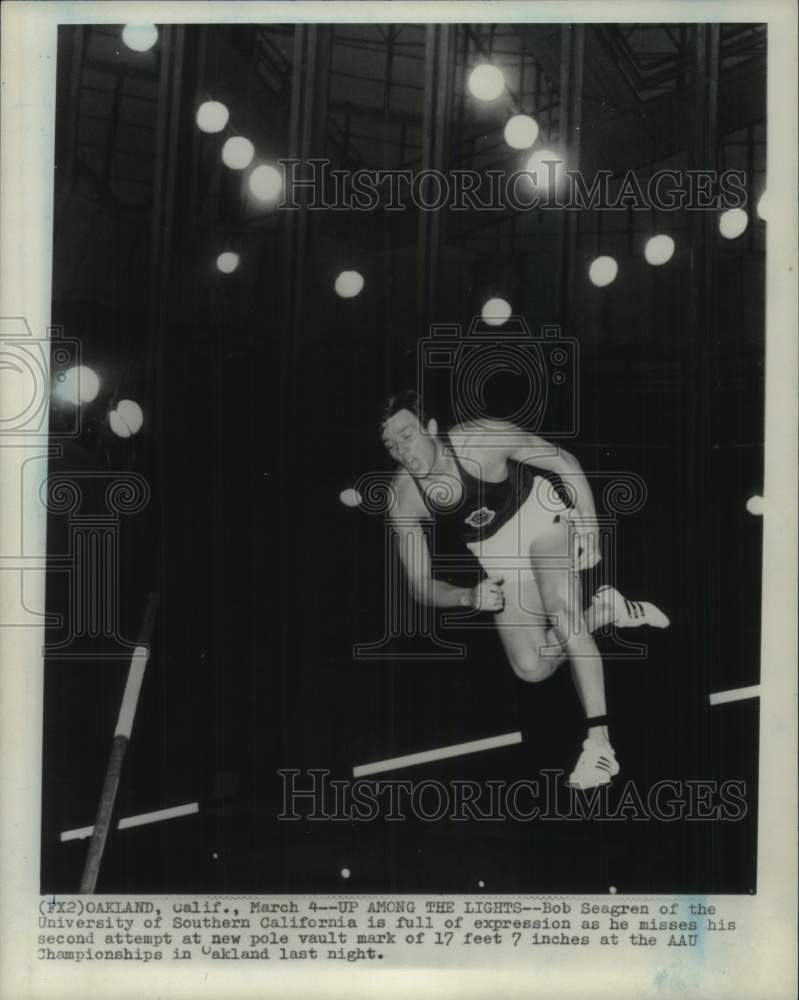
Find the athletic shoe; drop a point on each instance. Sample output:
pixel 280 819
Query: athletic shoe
pixel 596 766
pixel 630 614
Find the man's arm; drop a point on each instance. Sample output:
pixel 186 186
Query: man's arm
pixel 415 557
pixel 406 522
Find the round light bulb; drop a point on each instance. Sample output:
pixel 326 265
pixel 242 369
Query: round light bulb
pixel 350 498
pixel 603 271
pixel 237 153
pixel 131 413
pixel 349 284
pixel 495 312
pixel 140 37
pixel 659 250
pixel 486 82
pixel 521 132
pixel 227 262
pixel 212 116
pixel 79 385
pixel 733 223
pixel 266 183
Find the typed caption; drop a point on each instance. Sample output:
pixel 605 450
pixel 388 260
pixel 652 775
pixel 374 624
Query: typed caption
pixel 367 929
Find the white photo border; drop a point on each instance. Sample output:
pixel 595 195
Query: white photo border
pixel 762 960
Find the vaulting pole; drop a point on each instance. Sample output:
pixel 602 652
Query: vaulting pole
pixel 127 713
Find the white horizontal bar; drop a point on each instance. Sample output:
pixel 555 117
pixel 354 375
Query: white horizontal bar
pixel 456 750
pixel 124 824
pixel 736 694
pixel 23 562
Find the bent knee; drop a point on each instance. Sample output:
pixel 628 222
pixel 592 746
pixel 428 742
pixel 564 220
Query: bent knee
pixel 529 666
pixel 566 618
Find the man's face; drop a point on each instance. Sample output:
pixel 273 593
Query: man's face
pixel 408 444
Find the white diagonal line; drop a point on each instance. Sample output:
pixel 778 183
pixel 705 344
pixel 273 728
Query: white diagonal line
pixel 455 750
pixel 735 694
pixel 124 824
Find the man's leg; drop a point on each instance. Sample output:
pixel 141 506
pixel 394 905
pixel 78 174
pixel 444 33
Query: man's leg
pixel 596 616
pixel 561 596
pixel 543 642
pixel 523 630
pixel 534 648
pixel 607 607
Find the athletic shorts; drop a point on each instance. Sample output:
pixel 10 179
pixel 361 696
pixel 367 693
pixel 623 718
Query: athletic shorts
pixel 508 551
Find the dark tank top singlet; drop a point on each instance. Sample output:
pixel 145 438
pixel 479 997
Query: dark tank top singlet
pixel 483 507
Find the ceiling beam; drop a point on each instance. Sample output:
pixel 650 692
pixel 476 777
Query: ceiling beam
pixel 619 130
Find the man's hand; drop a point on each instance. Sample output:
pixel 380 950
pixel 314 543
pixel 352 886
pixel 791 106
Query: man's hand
pixel 488 595
pixel 586 543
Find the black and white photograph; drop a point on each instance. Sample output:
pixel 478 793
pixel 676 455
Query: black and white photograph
pixel 399 430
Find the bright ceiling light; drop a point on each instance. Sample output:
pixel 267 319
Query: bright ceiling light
pixel 733 223
pixel 603 271
pixel 131 413
pixel 227 262
pixel 495 312
pixel 212 116
pixel 349 284
pixel 266 183
pixel 140 37
pixel 659 250
pixel 521 132
pixel 350 498
pixel 237 153
pixel 77 385
pixel 486 82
